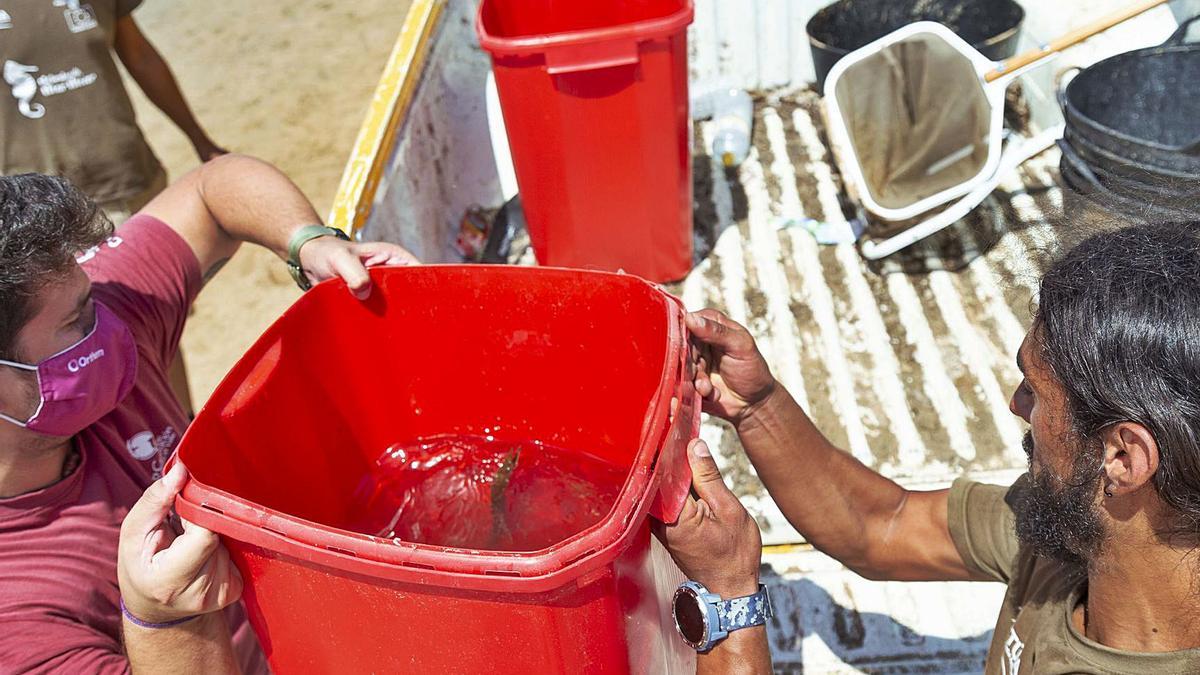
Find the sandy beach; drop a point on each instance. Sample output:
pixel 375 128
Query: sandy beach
pixel 285 81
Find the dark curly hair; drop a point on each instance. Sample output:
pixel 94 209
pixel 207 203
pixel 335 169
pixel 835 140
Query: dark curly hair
pixel 45 221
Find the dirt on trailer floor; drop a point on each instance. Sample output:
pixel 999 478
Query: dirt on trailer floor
pixel 285 81
pixel 906 362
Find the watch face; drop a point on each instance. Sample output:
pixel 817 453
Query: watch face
pixel 690 618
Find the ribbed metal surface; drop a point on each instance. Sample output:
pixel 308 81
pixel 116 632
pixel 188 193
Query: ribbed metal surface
pixel 752 44
pixel 909 371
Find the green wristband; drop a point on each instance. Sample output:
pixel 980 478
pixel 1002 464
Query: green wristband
pixel 301 237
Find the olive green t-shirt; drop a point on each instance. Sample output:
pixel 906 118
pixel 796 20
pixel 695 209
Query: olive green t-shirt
pixel 1035 633
pixel 63 107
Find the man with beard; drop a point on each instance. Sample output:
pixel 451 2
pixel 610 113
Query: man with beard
pixel 1097 541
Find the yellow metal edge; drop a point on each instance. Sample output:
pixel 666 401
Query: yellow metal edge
pixel 786 548
pixel 389 108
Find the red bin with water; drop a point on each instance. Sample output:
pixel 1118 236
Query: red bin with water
pixel 587 361
pixel 595 102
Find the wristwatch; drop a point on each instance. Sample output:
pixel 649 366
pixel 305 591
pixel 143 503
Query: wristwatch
pixel 703 618
pixel 301 237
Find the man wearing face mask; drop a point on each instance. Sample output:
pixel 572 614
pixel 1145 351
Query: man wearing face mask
pixel 1098 542
pixel 90 319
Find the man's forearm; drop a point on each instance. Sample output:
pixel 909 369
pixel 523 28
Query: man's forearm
pixel 825 493
pixel 234 199
pixel 201 645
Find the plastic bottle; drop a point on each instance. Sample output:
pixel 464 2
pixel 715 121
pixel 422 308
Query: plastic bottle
pixel 732 112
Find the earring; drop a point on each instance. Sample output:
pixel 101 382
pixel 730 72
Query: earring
pixel 1108 492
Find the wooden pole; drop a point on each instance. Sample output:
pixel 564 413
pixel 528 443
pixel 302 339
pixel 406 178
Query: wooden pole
pixel 1072 38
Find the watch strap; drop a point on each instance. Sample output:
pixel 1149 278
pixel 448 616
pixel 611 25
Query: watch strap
pixel 301 237
pixel 746 611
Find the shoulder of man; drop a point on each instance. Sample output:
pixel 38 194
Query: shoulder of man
pixel 149 276
pixel 983 528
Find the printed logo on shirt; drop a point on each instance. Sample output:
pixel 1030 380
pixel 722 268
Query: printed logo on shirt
pixel 5 20
pixel 1013 647
pixel 24 87
pixel 79 18
pixel 112 242
pixel 53 84
pixel 146 445
pixel 141 446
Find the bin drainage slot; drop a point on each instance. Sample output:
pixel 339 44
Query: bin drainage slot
pixel 212 508
pixel 343 551
pixel 421 566
pixel 272 530
pixel 499 573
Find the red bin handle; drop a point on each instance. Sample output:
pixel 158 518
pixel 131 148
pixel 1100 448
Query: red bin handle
pixel 578 58
pixel 674 472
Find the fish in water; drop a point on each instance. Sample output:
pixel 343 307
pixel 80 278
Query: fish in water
pixel 476 493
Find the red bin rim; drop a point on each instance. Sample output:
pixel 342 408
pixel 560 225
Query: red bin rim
pixel 522 572
pixel 635 31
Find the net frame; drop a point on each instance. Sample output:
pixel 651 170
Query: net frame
pixel 843 146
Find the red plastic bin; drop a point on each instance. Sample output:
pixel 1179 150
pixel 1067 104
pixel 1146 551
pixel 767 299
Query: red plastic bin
pixel 587 361
pixel 595 102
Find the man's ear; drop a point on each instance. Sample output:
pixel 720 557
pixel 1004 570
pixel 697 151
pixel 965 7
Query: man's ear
pixel 1130 458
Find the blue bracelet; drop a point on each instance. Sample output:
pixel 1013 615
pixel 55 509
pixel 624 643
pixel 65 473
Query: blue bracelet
pixel 153 626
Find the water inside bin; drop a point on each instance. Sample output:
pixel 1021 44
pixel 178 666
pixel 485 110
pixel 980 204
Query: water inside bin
pixel 480 493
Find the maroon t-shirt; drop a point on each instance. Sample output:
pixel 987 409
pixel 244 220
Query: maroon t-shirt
pixel 59 607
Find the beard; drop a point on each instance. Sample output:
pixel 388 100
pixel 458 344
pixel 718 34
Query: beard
pixel 1058 518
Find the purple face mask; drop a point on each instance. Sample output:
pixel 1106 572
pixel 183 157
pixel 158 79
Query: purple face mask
pixel 85 381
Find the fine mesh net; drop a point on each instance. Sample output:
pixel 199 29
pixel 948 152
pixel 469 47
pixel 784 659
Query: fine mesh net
pixel 917 118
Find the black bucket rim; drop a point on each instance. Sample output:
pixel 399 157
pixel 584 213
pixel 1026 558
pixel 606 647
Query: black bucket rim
pixel 1109 202
pixel 1079 141
pixel 978 46
pixel 1075 178
pixel 1074 114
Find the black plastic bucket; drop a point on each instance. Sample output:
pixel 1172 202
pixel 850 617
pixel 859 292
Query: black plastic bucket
pixel 1088 190
pixel 1105 160
pixel 991 26
pixel 1140 108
